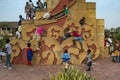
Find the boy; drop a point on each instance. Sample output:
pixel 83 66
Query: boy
pixel 8 54
pixel 116 54
pixel 66 58
pixel 89 60
pixel 67 34
pixel 77 37
pixel 29 54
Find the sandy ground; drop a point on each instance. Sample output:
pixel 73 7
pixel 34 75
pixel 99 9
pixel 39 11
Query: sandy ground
pixel 102 69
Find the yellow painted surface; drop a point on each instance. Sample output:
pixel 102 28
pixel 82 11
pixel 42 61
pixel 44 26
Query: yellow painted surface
pixel 93 36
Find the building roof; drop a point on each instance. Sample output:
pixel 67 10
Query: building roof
pixel 10 24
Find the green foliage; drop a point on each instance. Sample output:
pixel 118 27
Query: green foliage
pixel 71 74
pixel 3 25
pixel 117 36
pixel 2 41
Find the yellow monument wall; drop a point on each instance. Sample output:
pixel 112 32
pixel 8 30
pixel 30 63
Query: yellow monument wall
pixel 52 44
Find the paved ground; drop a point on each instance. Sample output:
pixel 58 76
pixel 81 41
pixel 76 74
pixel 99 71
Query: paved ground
pixel 103 69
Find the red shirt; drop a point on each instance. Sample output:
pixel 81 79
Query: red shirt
pixel 75 34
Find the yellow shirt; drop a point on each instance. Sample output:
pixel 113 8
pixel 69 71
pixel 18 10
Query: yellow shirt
pixel 116 53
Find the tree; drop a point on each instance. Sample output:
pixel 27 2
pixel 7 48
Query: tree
pixel 2 41
pixel 117 36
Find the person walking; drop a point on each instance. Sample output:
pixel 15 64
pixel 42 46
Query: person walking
pixel 8 54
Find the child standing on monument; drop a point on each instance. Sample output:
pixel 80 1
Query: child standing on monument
pixel 66 58
pixel 29 54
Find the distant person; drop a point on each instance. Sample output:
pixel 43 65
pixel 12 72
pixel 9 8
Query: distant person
pixel 110 42
pixel 89 60
pixel 46 16
pixel 8 54
pixel 82 21
pixel 31 4
pixel 39 5
pixel 117 45
pixel 67 34
pixel 45 3
pixel 105 41
pixel 66 10
pixel 20 20
pixel 20 23
pixel 32 12
pixel 18 35
pixel 2 53
pixel 27 10
pixel 20 29
pixel 66 58
pixel 113 56
pixel 29 54
pixel 116 54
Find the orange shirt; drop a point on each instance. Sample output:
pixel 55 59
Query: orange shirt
pixel 116 53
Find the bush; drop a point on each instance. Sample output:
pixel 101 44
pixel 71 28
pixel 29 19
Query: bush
pixel 71 74
pixel 117 36
pixel 2 41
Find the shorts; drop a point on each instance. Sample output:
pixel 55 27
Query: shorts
pixel 65 65
pixel 89 64
pixel 78 38
pixel 38 37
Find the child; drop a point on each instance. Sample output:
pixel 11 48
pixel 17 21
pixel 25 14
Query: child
pixel 8 54
pixel 29 54
pixel 65 58
pixel 45 3
pixel 37 35
pixel 2 53
pixel 67 34
pixel 113 56
pixel 116 54
pixel 77 37
pixel 18 35
pixel 89 60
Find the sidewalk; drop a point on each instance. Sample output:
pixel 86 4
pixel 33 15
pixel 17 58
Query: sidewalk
pixel 102 69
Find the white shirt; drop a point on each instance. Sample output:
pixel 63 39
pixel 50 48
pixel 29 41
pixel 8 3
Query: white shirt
pixel 19 28
pixel 46 15
pixel 89 57
pixel 110 40
pixel 31 4
pixel 2 53
pixel 9 48
pixel 18 34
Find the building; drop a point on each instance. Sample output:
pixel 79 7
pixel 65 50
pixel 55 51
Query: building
pixel 8 28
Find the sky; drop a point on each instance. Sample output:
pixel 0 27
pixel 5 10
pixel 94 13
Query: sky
pixel 109 10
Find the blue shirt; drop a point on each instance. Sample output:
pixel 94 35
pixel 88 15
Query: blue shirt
pixel 29 52
pixel 65 57
pixel 8 48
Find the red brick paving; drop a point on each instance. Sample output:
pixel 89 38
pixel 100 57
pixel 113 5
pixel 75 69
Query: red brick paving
pixel 102 69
